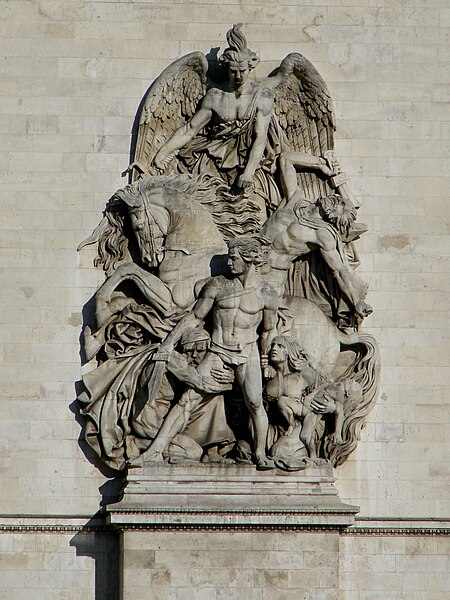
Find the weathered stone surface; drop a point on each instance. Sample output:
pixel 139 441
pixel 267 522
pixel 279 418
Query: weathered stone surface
pixel 231 495
pixel 391 104
pixel 193 343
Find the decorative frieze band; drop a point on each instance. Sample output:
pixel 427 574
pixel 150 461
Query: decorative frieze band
pixel 369 527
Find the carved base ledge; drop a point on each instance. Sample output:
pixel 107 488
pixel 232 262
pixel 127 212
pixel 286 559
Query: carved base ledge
pixel 228 495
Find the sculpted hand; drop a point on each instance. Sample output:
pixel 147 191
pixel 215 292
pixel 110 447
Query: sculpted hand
pixel 244 182
pixel 161 160
pixel 323 405
pixel 222 376
pixel 210 386
pixel 336 438
pixel 269 372
pixel 363 309
pixel 323 166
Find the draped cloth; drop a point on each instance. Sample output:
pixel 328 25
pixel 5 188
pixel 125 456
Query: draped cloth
pixel 223 149
pixel 121 419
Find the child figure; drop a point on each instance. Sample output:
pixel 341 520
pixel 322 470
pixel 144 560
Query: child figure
pixel 331 396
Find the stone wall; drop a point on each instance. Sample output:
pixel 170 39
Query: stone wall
pixel 392 567
pixel 58 565
pixel 73 75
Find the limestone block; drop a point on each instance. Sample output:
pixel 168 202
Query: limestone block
pixel 70 66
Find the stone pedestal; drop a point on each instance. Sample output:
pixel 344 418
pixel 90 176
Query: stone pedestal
pixel 203 495
pixel 193 532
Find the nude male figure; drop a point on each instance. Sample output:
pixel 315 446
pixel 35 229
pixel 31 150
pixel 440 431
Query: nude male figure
pixel 299 226
pixel 240 305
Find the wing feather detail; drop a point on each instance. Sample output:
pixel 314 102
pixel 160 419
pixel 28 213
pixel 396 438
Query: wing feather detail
pixel 304 110
pixel 170 102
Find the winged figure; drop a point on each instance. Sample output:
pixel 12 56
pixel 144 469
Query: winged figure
pixel 237 128
pixel 218 155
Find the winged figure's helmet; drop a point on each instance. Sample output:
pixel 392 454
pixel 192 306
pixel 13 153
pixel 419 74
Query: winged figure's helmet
pixel 238 51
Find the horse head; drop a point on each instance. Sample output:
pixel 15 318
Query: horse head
pixel 166 213
pixel 150 220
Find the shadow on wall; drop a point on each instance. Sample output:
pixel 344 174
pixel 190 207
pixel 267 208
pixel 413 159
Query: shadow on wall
pixel 111 489
pixel 104 547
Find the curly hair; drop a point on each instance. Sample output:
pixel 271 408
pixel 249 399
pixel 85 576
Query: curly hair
pixel 237 51
pixel 250 249
pixel 338 212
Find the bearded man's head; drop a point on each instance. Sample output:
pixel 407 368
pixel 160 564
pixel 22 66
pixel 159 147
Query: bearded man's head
pixel 338 211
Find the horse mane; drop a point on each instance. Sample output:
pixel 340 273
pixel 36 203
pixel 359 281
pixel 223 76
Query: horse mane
pixel 113 243
pixel 199 188
pixel 234 216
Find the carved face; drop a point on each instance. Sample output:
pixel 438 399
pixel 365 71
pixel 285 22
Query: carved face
pixel 148 221
pixel 238 73
pixel 338 211
pixel 196 351
pixel 278 353
pixel 236 263
pixel 149 237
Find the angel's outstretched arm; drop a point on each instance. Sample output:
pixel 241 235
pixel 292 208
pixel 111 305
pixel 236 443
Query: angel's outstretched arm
pixel 184 134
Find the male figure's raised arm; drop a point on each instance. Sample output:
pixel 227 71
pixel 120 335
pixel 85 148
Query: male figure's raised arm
pixel 288 162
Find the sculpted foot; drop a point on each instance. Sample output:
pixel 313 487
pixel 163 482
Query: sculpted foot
pixel 212 455
pixel 152 456
pixel 263 463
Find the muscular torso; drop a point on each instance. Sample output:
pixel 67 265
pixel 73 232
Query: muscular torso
pixel 237 311
pixel 227 106
pixel 289 240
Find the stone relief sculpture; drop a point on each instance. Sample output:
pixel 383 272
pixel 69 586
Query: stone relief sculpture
pixel 228 326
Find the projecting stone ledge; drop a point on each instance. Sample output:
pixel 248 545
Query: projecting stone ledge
pixel 230 495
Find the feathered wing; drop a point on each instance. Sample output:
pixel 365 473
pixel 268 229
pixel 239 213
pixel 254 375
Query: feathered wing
pixel 304 111
pixel 171 101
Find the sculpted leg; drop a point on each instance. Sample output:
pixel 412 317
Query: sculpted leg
pixel 287 412
pixel 155 291
pixel 174 422
pixel 307 433
pixel 249 378
pixel 287 163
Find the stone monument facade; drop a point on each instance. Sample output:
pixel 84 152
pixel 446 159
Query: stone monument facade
pixel 231 292
pixel 226 424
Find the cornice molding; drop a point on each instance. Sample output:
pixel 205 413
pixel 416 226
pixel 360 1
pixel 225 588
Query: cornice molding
pixel 363 527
